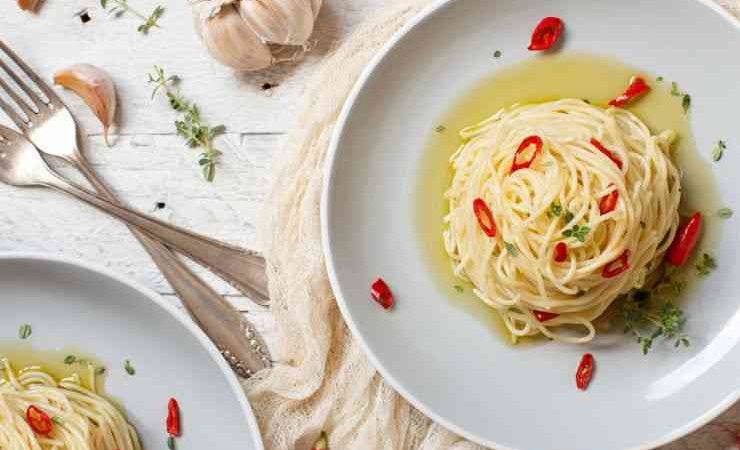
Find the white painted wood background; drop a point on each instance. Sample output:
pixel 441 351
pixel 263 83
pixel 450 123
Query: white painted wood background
pixel 150 164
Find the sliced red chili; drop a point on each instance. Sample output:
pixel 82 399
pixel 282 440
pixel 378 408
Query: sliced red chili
pixel 608 202
pixel 685 241
pixel 637 87
pixel 546 34
pixel 173 418
pixel 544 316
pixel 526 143
pixel 485 217
pixel 609 154
pixel 382 293
pixel 618 266
pixel 585 371
pixel 560 253
pixel 39 421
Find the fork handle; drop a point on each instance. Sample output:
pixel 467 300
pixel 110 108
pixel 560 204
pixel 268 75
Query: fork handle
pixel 235 337
pixel 244 268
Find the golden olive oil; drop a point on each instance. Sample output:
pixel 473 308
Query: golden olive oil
pixel 540 79
pixel 22 355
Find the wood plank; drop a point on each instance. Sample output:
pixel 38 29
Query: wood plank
pixel 143 171
pixel 55 38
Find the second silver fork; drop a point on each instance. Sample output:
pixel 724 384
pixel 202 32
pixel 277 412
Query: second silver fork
pixel 53 130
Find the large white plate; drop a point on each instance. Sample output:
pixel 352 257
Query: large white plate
pixel 76 305
pixel 440 358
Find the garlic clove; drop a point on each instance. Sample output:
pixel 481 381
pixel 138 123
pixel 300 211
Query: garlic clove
pixel 284 22
pixel 229 39
pixel 28 5
pixel 95 87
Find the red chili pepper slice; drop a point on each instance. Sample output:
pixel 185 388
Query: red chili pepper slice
pixel 637 87
pixel 585 371
pixel 382 293
pixel 546 33
pixel 607 152
pixel 173 418
pixel 485 217
pixel 608 202
pixel 526 143
pixel 685 241
pixel 560 254
pixel 618 266
pixel 544 316
pixel 39 421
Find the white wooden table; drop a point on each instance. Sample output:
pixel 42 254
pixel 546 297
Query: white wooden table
pixel 149 163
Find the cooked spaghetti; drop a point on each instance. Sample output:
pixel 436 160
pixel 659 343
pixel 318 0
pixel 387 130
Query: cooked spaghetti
pixel 39 412
pixel 579 205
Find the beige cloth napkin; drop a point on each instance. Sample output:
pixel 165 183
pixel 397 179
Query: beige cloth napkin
pixel 324 380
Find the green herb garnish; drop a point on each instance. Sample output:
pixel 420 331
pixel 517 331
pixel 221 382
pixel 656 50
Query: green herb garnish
pixel 99 370
pixel 57 420
pixel 190 125
pixel 685 98
pixel 121 7
pixel 719 150
pixel 70 359
pixel 458 288
pixel 129 367
pixel 497 54
pixel 725 213
pixel 511 248
pixel 440 128
pixel 659 79
pixel 24 331
pixel 706 264
pixel 555 210
pixel 578 232
pixel 171 443
pixel 666 322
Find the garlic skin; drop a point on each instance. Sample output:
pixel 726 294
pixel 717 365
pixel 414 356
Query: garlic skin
pixel 228 40
pixel 243 34
pixel 95 87
pixel 284 22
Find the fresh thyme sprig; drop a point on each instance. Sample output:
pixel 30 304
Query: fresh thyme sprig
pixel 666 322
pixel 190 125
pixel 579 232
pixel 121 7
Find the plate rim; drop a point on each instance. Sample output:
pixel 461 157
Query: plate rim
pixel 182 318
pixel 329 174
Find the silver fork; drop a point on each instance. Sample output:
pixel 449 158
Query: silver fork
pixel 51 127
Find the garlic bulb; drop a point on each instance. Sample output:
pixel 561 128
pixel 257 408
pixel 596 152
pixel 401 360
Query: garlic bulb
pixel 95 87
pixel 243 33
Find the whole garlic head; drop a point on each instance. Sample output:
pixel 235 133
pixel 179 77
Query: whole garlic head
pixel 242 33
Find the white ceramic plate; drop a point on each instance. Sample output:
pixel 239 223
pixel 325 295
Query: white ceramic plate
pixel 448 363
pixel 77 305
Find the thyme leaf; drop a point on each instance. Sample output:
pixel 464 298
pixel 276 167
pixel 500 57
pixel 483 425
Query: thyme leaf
pixel 24 331
pixel 190 125
pixel 117 8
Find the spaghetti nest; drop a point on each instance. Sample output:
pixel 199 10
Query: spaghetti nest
pixel 579 205
pixel 39 412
